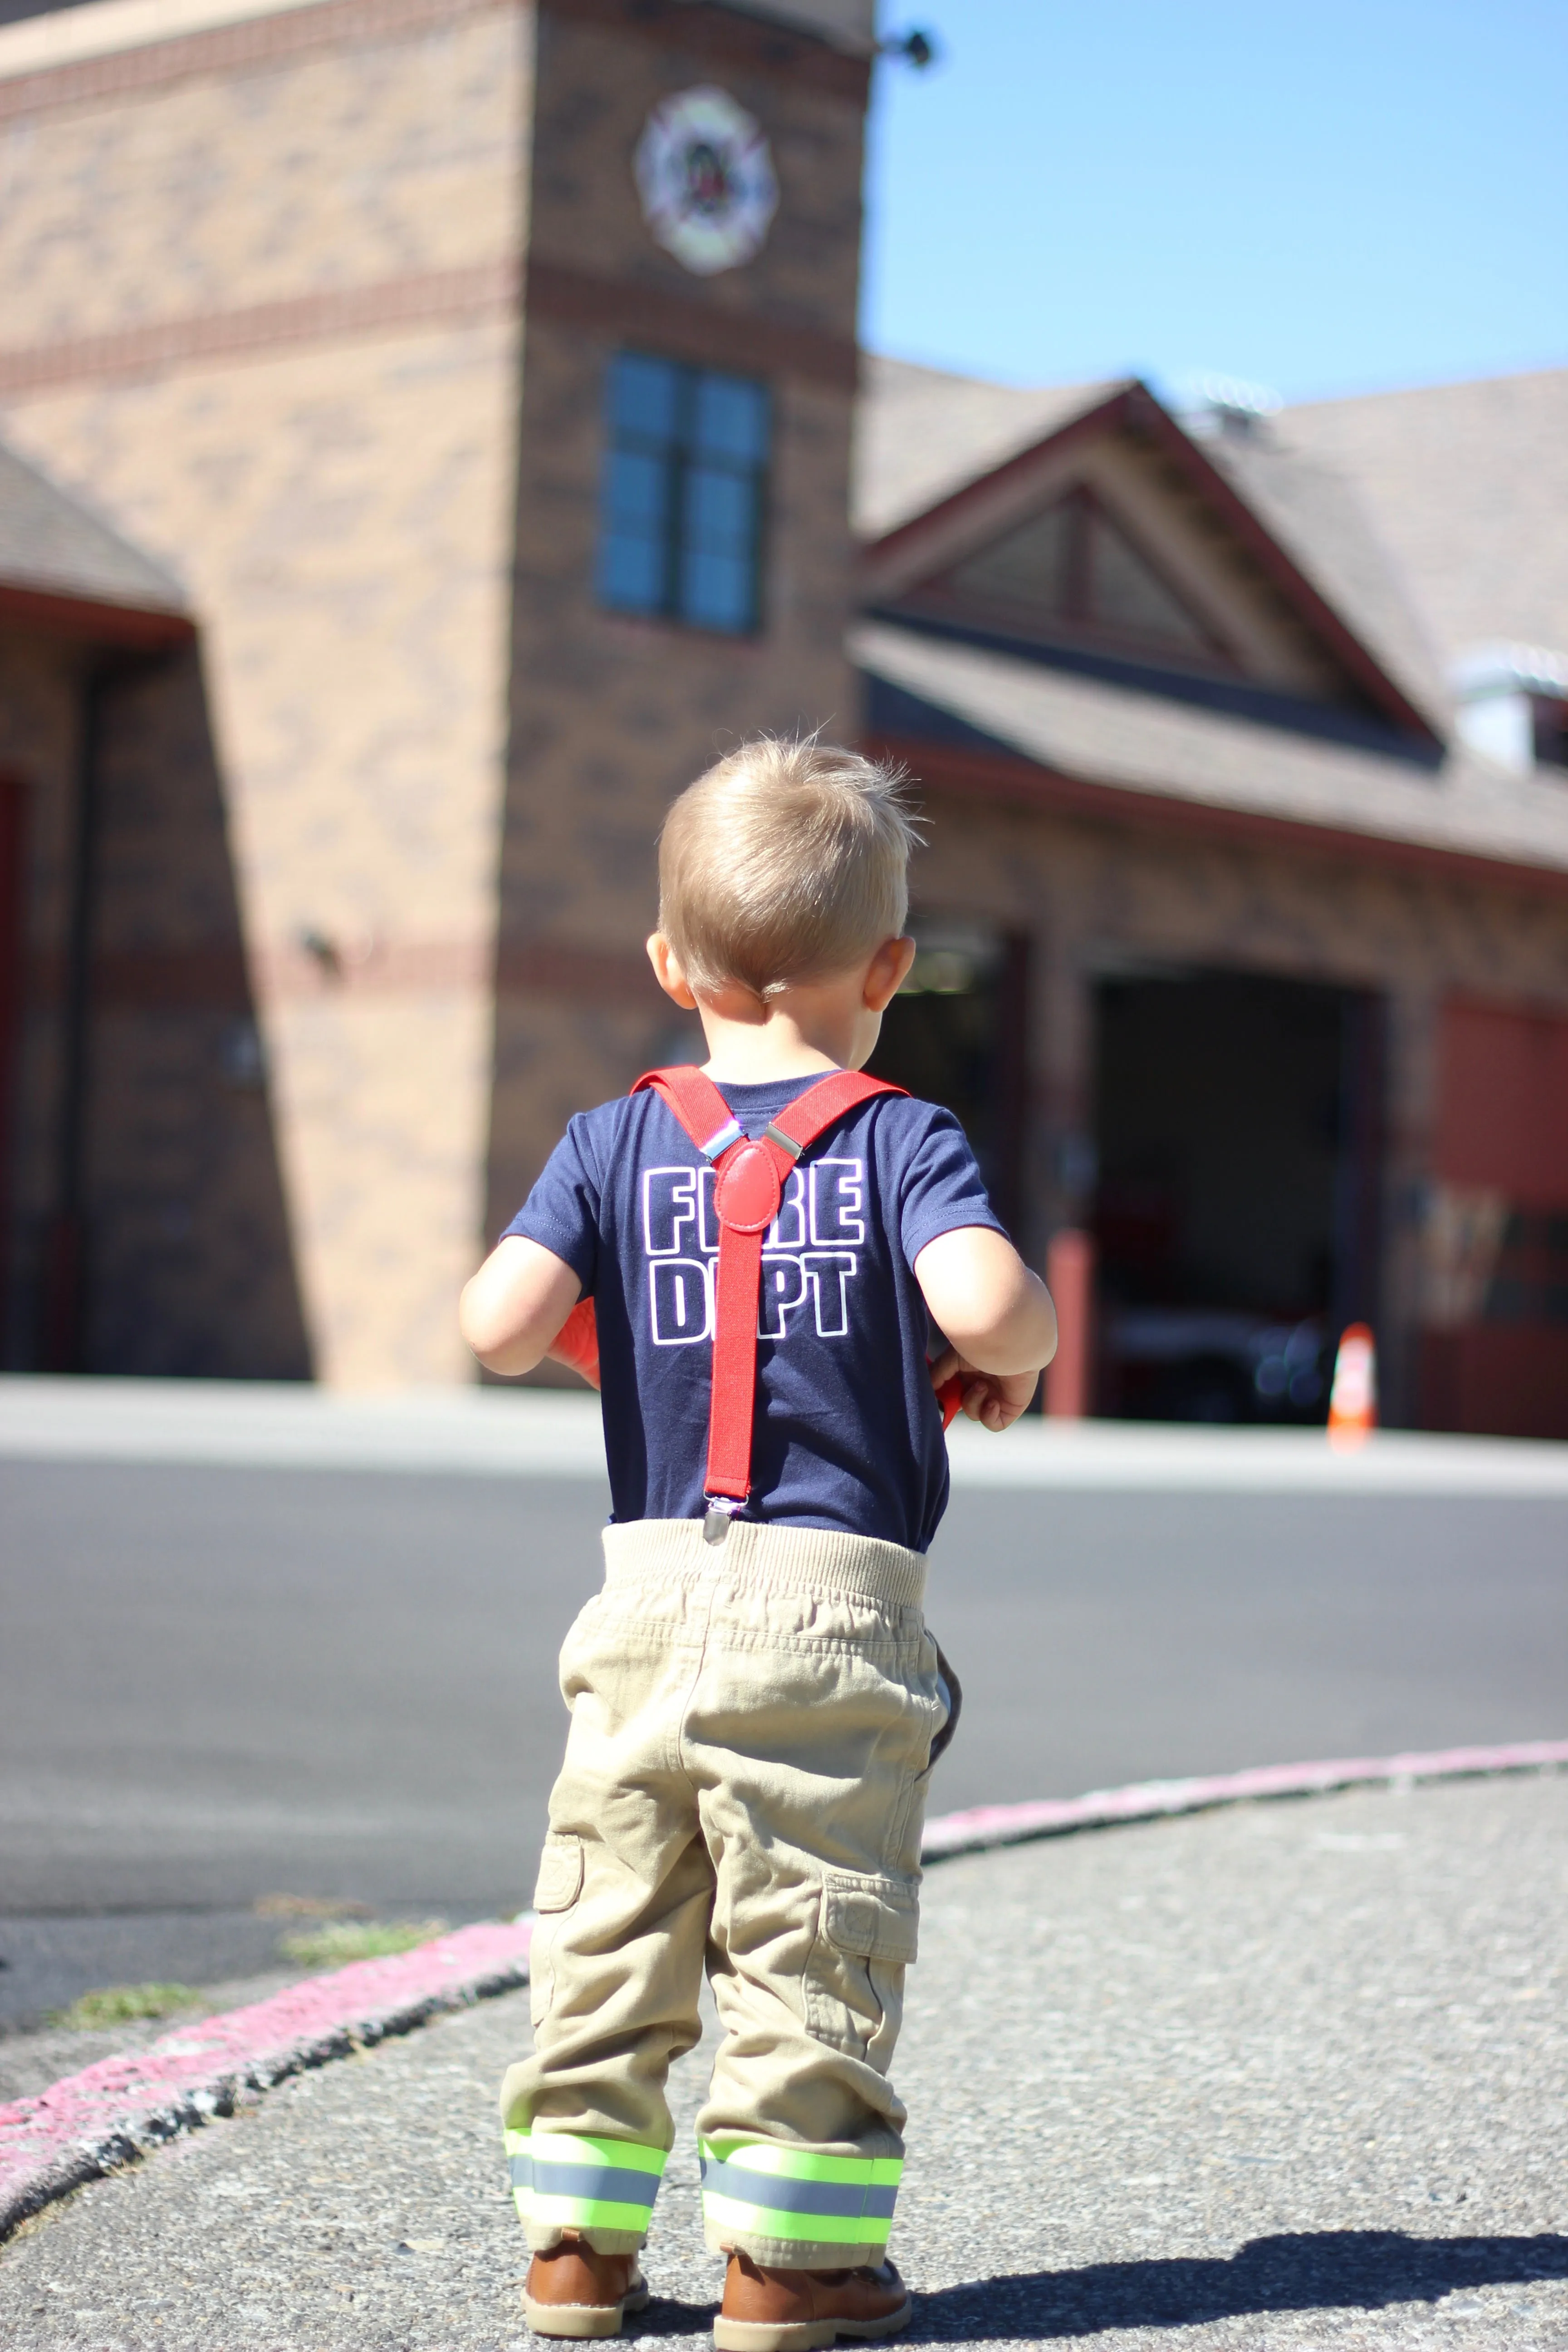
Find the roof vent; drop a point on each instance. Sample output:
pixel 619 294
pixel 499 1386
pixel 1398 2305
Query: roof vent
pixel 1513 705
pixel 1224 407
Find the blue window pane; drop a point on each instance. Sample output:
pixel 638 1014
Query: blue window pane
pixel 716 591
pixel 631 574
pixel 636 492
pixel 719 511
pixel 645 398
pixel 731 419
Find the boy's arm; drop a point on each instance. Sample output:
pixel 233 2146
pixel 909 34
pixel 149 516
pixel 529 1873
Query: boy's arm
pixel 514 1308
pixel 995 1316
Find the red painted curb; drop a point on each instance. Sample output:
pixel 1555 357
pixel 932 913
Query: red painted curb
pixel 93 2122
pixel 983 1826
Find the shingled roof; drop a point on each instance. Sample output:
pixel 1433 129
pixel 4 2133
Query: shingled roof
pixel 1083 731
pixel 1468 483
pixel 921 434
pixel 52 547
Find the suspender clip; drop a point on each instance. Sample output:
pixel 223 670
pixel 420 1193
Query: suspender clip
pixel 721 1509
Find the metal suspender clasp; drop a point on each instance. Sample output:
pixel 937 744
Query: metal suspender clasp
pixel 719 1142
pixel 785 1142
pixel 721 1509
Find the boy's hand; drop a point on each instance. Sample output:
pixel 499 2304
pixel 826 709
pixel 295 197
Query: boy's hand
pixel 995 1318
pixel 994 1398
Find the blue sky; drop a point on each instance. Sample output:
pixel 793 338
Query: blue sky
pixel 1326 198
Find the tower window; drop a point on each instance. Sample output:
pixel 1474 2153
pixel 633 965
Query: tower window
pixel 683 497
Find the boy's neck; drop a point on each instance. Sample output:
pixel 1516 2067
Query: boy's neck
pixel 798 1033
pixel 767 1054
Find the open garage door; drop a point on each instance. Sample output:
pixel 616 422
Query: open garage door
pixel 1238 1134
pixel 954 1034
pixel 1495 1349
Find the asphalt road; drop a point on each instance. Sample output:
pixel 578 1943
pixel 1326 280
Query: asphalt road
pixel 1293 2076
pixel 217 1684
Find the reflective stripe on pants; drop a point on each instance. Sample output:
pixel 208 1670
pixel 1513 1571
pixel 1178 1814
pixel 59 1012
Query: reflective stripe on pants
pixel 762 2189
pixel 577 2183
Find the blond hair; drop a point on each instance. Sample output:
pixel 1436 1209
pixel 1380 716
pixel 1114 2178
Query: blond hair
pixel 788 861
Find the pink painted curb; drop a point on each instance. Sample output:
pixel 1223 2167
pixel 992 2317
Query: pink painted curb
pixel 992 1826
pixel 93 2122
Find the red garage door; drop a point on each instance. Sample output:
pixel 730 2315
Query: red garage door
pixel 1495 1348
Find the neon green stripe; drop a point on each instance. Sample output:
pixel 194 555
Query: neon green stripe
pixel 573 2148
pixel 802 2164
pixel 581 2212
pixel 822 2229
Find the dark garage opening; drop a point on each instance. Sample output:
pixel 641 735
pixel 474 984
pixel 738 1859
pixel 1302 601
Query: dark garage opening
pixel 1236 1129
pixel 955 1036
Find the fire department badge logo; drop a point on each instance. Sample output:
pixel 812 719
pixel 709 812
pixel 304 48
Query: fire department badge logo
pixel 706 179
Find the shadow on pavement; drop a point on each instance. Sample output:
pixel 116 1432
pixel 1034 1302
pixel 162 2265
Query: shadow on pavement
pixel 1330 2270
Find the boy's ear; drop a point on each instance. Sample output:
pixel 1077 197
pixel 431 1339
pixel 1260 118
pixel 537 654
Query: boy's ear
pixel 667 972
pixel 889 970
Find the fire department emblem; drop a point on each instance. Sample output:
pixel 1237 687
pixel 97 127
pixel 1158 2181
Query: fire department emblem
pixel 706 179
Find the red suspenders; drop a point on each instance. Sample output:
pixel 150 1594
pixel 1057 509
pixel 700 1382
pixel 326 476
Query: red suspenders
pixel 746 1198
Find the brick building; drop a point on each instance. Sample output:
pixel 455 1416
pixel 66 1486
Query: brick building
pixel 431 435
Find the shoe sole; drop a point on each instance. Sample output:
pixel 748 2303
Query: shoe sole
pixel 579 2321
pixel 806 2335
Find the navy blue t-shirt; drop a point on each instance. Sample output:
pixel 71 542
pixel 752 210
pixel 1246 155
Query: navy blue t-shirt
pixel 848 1434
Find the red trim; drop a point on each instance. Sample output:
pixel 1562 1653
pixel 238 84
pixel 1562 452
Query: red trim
pixel 1135 410
pixel 997 776
pixel 100 623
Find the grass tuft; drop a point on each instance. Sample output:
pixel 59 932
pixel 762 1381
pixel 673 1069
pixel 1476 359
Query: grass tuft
pixel 121 2004
pixel 342 1940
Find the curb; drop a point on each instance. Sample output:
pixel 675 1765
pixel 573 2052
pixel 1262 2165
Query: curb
pixel 105 2117
pixel 984 1826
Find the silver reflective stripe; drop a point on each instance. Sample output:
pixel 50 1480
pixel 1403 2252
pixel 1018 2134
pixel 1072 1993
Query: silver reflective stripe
pixel 780 2195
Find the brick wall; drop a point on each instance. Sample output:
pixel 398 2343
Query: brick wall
pixel 262 310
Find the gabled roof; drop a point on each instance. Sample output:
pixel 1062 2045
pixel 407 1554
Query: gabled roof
pixel 932 448
pixel 992 723
pixel 921 434
pixel 61 567
pixel 1468 483
pixel 1312 509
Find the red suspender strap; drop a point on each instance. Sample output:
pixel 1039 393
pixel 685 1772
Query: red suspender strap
pixel 746 1198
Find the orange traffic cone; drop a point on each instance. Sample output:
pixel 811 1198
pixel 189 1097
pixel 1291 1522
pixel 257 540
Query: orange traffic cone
pixel 1353 1401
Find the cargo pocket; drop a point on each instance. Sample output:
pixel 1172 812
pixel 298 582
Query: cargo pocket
pixel 559 1884
pixel 855 1977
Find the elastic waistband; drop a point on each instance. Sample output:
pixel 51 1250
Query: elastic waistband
pixel 794 1560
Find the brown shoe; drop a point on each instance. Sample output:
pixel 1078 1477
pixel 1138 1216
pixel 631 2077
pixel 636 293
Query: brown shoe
pixel 573 2291
pixel 797 2311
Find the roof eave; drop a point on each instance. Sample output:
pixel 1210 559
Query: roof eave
pixel 92 620
pixel 1013 778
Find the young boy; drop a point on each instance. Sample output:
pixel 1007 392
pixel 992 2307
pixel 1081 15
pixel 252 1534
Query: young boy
pixel 754 1693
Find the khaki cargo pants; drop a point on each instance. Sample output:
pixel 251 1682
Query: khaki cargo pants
pixel 743 1789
